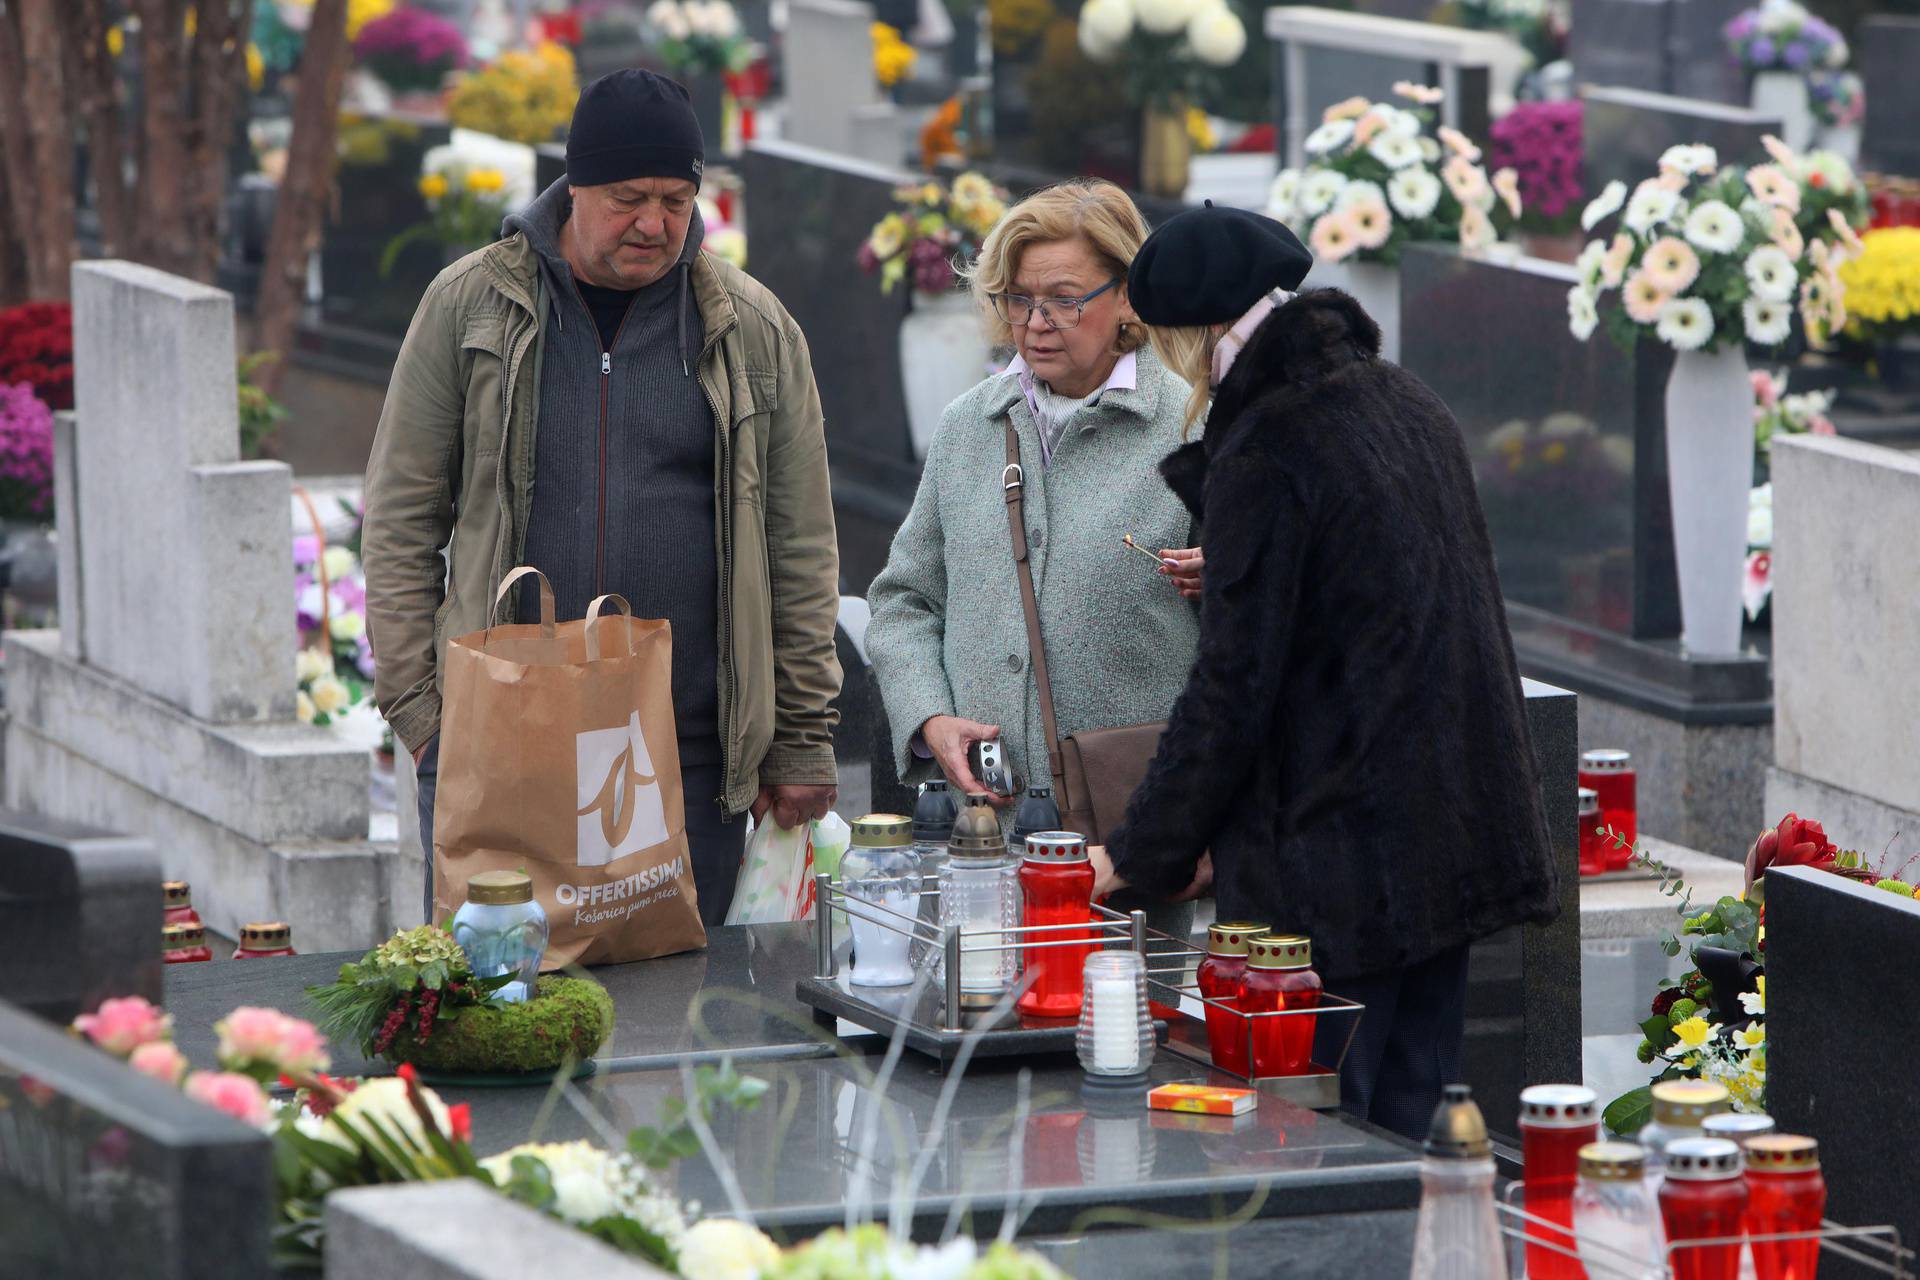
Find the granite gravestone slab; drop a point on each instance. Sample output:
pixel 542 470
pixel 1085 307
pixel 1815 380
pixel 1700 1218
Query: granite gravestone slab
pixel 80 914
pixel 1888 49
pixel 106 1172
pixel 1626 131
pixel 827 64
pixel 1662 46
pixel 379 180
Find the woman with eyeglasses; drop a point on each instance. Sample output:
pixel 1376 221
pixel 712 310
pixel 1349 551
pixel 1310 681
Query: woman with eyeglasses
pixel 1093 411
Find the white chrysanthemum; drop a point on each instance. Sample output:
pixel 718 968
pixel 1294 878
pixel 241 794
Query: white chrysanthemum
pixel 590 1184
pixel 1686 324
pixel 1714 226
pixel 1398 121
pixel 1582 315
pixel 385 1100
pixel 1284 195
pixel 1413 193
pixel 1589 265
pixel 1650 206
pixel 1357 191
pixel 1216 35
pixel 1837 176
pixel 1771 274
pixel 1768 321
pixel 1604 205
pixel 1104 27
pixel 1320 189
pixel 1395 150
pixel 721 1249
pixel 1330 136
pixel 1164 17
pixel 1689 159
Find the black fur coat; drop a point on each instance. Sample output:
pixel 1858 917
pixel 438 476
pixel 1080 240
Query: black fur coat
pixel 1352 743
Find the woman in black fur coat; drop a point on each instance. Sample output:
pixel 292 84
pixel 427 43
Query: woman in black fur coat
pixel 1351 753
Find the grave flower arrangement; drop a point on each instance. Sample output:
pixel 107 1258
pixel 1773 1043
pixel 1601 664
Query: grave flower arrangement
pixel 464 207
pixel 1376 181
pixel 1169 50
pixel 871 1253
pixel 1541 142
pixel 1779 35
pixel 932 226
pixel 411 50
pixel 697 35
pixel 26 454
pixel 36 347
pixel 1839 99
pixel 1883 286
pixel 1706 257
pixel 1776 412
pixel 409 984
pixel 1756 588
pixel 335 660
pixel 893 57
pixel 520 96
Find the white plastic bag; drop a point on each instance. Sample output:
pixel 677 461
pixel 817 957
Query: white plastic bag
pixel 776 873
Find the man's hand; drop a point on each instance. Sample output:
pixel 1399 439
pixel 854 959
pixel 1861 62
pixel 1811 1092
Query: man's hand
pixel 420 753
pixel 1202 880
pixel 1105 879
pixel 948 737
pixel 1184 567
pixel 792 806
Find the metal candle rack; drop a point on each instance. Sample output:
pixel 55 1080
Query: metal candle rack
pixel 1873 1249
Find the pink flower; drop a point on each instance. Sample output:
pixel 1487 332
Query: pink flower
pixel 1821 425
pixel 239 1096
pixel 122 1025
pixel 160 1060
pixel 1334 237
pixel 1765 393
pixel 267 1038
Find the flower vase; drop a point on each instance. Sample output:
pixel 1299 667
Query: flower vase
pixel 1843 140
pixel 1782 95
pixel 1165 151
pixel 1375 286
pixel 1709 477
pixel 943 352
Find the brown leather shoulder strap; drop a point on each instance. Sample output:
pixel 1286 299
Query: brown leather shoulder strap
pixel 1013 483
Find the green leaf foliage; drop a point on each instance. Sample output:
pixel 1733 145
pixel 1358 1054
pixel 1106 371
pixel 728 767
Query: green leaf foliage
pixel 1627 1113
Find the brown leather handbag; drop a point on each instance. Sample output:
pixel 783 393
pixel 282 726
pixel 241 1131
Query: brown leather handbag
pixel 1096 772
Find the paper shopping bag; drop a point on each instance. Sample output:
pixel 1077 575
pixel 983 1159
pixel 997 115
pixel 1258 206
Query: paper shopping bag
pixel 558 757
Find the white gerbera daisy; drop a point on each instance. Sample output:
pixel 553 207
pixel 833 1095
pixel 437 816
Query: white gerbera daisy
pixel 1768 322
pixel 1330 136
pixel 1686 324
pixel 1689 160
pixel 1650 206
pixel 1413 193
pixel 1284 194
pixel 1319 190
pixel 1429 150
pixel 1715 227
pixel 1604 205
pixel 1400 122
pixel 1770 273
pixel 1589 264
pixel 1582 315
pixel 1396 151
pixel 1357 191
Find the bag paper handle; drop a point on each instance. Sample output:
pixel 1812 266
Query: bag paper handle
pixel 546 599
pixel 593 631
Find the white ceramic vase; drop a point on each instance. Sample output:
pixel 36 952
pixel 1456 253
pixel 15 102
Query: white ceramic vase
pixel 1783 95
pixel 1709 480
pixel 943 352
pixel 1375 286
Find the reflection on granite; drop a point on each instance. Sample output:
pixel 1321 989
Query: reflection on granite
pixel 1626 130
pixel 1078 1150
pixel 1654 675
pixel 734 997
pixel 1663 46
pixel 1353 1246
pixel 1888 49
pixel 379 198
pixel 105 1172
pixel 1566 437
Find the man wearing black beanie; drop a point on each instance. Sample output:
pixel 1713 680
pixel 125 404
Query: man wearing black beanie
pixel 594 396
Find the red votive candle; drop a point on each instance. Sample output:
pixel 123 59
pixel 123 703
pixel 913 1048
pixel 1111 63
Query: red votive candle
pixel 1785 1192
pixel 1056 879
pixel 1220 976
pixel 1280 976
pixel 178 895
pixel 263 940
pixel 184 944
pixel 1556 1120
pixel 1610 773
pixel 1593 858
pixel 1704 1198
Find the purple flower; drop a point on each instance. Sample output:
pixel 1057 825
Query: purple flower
pixel 1797 55
pixel 1743 25
pixel 1761 52
pixel 26 453
pixel 363 658
pixel 306 550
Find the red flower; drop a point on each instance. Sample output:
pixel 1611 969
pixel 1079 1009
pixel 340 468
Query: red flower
pixel 460 1120
pixel 408 1074
pixel 1796 842
pixel 1664 1002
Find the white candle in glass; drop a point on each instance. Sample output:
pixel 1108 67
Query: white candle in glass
pixel 1116 1034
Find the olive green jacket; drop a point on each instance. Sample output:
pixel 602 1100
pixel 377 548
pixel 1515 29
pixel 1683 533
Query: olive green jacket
pixel 452 469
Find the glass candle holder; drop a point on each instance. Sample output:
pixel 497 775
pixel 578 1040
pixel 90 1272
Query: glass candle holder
pixel 880 870
pixel 1610 773
pixel 502 930
pixel 1229 1038
pixel 980 895
pixel 264 940
pixel 933 815
pixel 1056 883
pixel 1704 1198
pixel 1593 858
pixel 1786 1192
pixel 1280 976
pixel 1116 1032
pixel 1737 1126
pixel 1680 1107
pixel 178 896
pixel 1556 1121
pixel 184 944
pixel 1614 1213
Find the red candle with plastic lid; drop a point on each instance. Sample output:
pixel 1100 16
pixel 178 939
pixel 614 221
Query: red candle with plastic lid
pixel 1556 1120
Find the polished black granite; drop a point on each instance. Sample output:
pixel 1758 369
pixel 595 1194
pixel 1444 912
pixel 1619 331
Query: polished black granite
pixel 1657 676
pixel 105 1172
pixel 379 199
pixel 1080 1152
pixel 1664 46
pixel 1626 130
pixel 1840 1039
pixel 1888 49
pixel 735 997
pixel 1352 1246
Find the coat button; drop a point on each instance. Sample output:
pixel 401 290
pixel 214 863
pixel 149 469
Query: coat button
pixel 1034 539
pixel 1013 662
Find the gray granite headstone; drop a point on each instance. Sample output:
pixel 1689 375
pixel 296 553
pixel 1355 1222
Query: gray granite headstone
pixel 827 65
pixel 1888 50
pixel 80 913
pixel 460 1230
pixel 106 1172
pixel 1626 131
pixel 1664 46
pixel 1840 1036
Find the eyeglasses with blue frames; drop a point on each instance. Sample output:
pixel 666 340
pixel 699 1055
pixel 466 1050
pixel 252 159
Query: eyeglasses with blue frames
pixel 1059 313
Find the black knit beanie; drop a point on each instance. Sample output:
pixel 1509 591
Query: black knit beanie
pixel 634 124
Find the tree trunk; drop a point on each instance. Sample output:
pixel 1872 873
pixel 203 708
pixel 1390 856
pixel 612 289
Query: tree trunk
pixel 165 240
pixel 13 268
pixel 95 93
pixel 219 79
pixel 303 190
pixel 16 153
pixel 49 250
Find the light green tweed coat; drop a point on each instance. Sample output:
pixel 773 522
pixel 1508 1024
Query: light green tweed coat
pixel 948 636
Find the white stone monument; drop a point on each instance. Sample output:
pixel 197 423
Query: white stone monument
pixel 1846 641
pixel 833 101
pixel 163 706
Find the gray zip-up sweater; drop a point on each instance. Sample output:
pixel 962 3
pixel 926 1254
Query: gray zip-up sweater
pixel 623 483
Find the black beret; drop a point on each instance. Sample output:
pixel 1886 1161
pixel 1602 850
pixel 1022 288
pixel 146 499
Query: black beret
pixel 1209 266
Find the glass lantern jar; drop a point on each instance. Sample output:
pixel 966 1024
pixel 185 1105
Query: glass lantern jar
pixel 1610 773
pixel 980 896
pixel 1115 1038
pixel 264 940
pixel 880 870
pixel 1614 1214
pixel 178 896
pixel 184 944
pixel 1220 977
pixel 503 930
pixel 1280 976
pixel 933 815
pixel 1056 882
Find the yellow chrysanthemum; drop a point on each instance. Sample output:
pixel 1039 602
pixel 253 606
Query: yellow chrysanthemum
pixel 1883 283
pixel 116 39
pixel 256 67
pixel 485 181
pixel 433 186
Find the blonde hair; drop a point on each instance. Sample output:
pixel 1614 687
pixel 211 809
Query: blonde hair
pixel 1091 210
pixel 1188 352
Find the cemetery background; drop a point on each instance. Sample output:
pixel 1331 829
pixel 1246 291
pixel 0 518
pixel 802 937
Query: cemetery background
pixel 176 703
